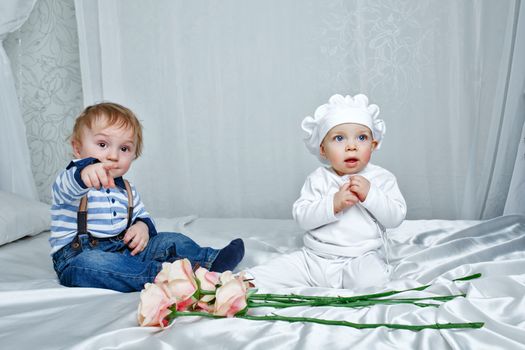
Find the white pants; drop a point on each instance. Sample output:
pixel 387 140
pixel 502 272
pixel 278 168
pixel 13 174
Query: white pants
pixel 306 268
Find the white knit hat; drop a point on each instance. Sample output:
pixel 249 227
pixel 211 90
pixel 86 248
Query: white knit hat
pixel 341 110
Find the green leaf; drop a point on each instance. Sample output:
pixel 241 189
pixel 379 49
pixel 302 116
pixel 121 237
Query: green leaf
pixel 467 278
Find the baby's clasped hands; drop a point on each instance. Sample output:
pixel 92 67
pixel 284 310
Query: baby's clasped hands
pixel 351 192
pixel 344 198
pixel 359 186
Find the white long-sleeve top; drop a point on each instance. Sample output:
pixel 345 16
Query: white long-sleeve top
pixel 352 232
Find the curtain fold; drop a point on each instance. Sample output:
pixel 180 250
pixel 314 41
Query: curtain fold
pixel 515 109
pixel 221 88
pixel 15 163
pixel 515 203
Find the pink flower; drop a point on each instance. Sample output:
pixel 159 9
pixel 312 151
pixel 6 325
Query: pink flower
pixel 178 281
pixel 208 280
pixel 230 298
pixel 153 306
pixel 227 276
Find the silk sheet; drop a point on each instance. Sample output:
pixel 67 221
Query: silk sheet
pixel 37 313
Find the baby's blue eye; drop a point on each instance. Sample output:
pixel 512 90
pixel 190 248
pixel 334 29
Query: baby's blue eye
pixel 362 137
pixel 338 138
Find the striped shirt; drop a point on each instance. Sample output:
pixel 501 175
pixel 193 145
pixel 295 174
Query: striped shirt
pixel 107 208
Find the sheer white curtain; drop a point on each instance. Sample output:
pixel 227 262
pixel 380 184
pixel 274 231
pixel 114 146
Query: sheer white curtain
pixel 15 162
pixel 221 88
pixel 515 203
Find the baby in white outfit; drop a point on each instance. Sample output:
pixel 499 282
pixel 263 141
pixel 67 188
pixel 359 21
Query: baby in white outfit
pixel 344 207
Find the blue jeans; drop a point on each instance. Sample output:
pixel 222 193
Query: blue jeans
pixel 109 263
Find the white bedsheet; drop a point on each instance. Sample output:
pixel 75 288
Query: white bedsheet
pixel 37 313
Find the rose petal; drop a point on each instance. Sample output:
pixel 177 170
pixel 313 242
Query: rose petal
pixel 153 306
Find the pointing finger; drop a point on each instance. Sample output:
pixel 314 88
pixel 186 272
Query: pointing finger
pixel 109 165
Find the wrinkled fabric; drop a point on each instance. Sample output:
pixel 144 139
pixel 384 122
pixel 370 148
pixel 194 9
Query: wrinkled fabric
pixel 36 312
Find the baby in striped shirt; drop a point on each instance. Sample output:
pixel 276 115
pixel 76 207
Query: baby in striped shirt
pixel 101 234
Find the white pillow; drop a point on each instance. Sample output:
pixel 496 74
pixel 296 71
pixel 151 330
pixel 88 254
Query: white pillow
pixel 20 216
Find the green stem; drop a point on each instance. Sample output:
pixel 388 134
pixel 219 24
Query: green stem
pixel 364 325
pixel 193 313
pixel 274 317
pixel 281 303
pixel 436 298
pixel 206 292
pixel 294 300
pixel 334 299
pixel 291 297
pixel 356 304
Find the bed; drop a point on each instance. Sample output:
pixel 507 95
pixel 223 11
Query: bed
pixel 37 313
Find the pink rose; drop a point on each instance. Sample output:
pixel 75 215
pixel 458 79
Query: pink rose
pixel 230 298
pixel 208 280
pixel 227 276
pixel 178 281
pixel 153 306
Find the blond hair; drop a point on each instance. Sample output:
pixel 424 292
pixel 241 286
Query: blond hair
pixel 112 114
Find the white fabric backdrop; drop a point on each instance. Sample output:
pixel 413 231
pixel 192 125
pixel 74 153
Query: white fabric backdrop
pixel 515 203
pixel 15 163
pixel 221 88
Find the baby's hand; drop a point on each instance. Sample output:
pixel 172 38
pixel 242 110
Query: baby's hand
pixel 137 237
pixel 360 186
pixel 96 175
pixel 344 198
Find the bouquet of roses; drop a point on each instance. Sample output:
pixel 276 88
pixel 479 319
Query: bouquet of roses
pixel 179 291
